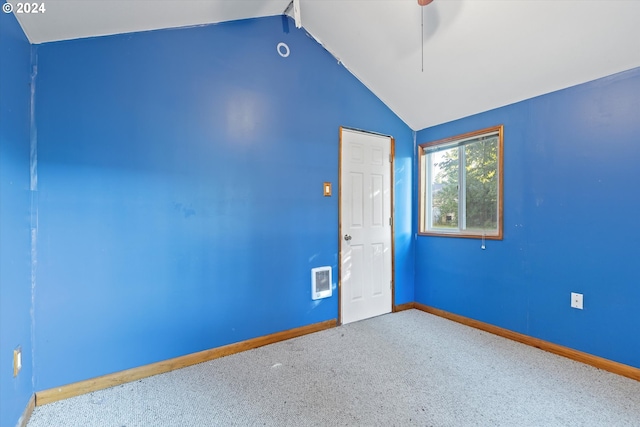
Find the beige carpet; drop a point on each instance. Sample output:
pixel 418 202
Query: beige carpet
pixel 402 369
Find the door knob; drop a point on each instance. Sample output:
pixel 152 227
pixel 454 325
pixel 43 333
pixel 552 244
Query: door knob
pixel 347 237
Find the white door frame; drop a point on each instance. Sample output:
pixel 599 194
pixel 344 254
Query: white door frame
pixel 393 222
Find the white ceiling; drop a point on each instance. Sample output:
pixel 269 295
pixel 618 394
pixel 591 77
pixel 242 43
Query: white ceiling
pixel 478 54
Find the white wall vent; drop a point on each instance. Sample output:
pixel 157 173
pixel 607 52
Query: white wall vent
pixel 320 282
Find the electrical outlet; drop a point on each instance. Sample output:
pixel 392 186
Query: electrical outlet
pixel 576 300
pixel 17 360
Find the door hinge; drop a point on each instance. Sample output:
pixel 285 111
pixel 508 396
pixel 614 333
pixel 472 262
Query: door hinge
pixel 391 221
pixel 390 158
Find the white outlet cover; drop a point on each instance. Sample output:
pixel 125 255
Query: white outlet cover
pixel 17 360
pixel 577 300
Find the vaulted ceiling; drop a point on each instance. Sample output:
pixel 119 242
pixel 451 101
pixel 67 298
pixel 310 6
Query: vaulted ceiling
pixel 430 64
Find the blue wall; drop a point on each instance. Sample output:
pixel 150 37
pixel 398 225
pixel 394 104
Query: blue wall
pixel 15 202
pixel 180 202
pixel 571 206
pixel 180 191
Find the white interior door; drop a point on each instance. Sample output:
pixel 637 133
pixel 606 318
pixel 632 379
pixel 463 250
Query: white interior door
pixel 365 225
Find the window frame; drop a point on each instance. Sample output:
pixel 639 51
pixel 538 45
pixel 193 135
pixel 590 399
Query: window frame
pixel 424 175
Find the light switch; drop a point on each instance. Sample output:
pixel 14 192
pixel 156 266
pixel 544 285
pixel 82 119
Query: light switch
pixel 327 189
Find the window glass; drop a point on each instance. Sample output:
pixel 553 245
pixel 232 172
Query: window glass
pixel 461 185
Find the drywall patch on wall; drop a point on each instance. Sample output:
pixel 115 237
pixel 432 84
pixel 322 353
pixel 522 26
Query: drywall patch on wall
pixel 33 187
pixel 33 130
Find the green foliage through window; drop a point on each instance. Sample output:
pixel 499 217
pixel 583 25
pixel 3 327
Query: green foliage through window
pixel 461 186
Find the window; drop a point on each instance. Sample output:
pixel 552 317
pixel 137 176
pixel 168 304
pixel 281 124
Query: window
pixel 461 185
